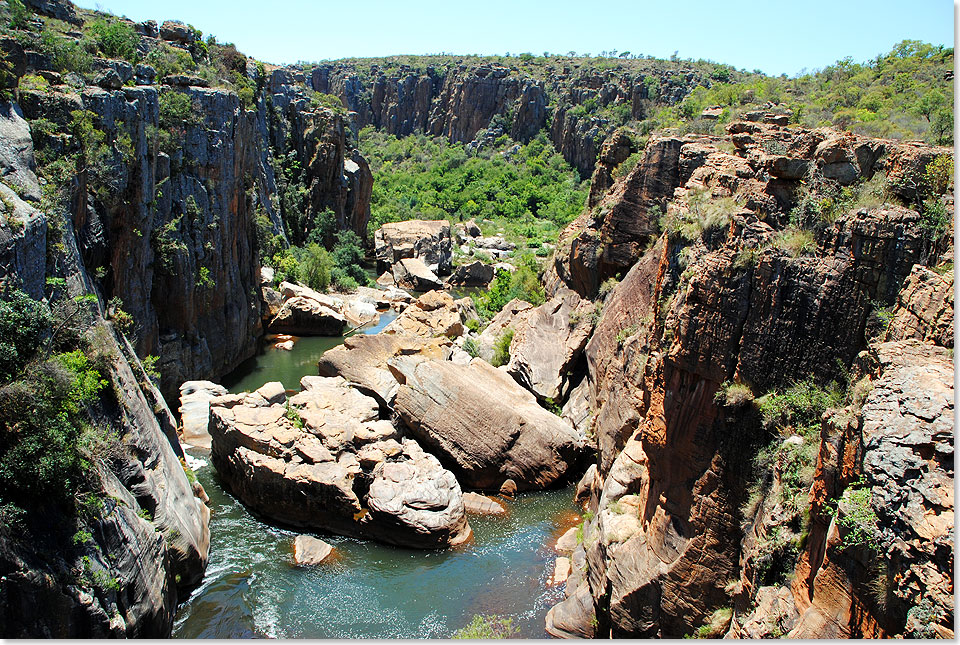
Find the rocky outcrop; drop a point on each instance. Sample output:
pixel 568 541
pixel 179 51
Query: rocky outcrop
pixel 924 308
pixel 369 361
pixel 486 427
pixel 720 297
pixel 118 568
pixel 883 565
pixel 475 274
pixel 547 345
pixel 428 241
pixel 614 151
pixel 624 222
pixel 513 315
pixel 412 273
pixel 435 313
pixel 327 462
pixel 460 98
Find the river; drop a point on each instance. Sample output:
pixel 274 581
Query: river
pixel 252 589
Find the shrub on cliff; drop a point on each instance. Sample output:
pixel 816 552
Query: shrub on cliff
pixel 116 39
pixel 47 442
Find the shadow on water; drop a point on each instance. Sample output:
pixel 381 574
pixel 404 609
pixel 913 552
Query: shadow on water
pixel 252 589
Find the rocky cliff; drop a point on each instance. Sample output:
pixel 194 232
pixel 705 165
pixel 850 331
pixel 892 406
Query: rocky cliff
pixel 458 97
pixel 178 182
pixel 114 561
pixel 155 198
pixel 733 291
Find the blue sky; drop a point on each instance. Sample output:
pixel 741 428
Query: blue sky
pixel 775 37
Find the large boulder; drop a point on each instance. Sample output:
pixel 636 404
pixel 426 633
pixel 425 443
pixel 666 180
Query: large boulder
pixel 513 314
pixel 305 312
pixel 435 313
pixel 475 274
pixel 412 273
pixel 327 462
pixel 547 345
pixel 416 502
pixel 427 240
pixel 484 425
pixel 574 617
pixel 308 550
pixel 305 317
pixel 366 360
pixel 195 399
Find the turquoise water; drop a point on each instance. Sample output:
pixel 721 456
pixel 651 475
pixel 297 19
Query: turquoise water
pixel 251 587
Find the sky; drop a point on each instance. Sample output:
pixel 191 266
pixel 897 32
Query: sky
pixel 775 37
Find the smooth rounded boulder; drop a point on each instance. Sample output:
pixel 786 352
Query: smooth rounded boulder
pixel 485 426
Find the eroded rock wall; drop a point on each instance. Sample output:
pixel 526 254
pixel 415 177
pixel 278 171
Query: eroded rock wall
pixel 704 303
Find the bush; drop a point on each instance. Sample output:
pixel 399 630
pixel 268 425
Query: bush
pixel 66 54
pixel 23 324
pixel 19 15
pixel 858 517
pixel 44 432
pixel 938 175
pixel 801 405
pixel 522 283
pixel 347 256
pixel 487 627
pixel 316 268
pixel 116 39
pixel 733 395
pixel 795 242
pixel 177 110
pixel 471 347
pixel 501 348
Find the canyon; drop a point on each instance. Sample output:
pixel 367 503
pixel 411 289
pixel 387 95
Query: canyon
pixel 742 362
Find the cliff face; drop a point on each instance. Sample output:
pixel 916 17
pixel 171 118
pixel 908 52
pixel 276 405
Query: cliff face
pixel 118 566
pixel 722 295
pixel 153 201
pixel 174 234
pixel 457 99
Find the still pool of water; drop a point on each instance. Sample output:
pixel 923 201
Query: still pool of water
pixel 251 587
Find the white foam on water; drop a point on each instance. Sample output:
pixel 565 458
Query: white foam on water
pixel 195 463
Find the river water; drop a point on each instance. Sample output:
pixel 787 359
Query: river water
pixel 252 589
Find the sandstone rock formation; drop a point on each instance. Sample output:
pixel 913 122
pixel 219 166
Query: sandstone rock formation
pixel 513 315
pixel 547 344
pixel 435 313
pixel 475 274
pixel 195 411
pixel 369 362
pixel 327 462
pixel 308 550
pixel 903 440
pixel 412 273
pixel 477 504
pixel 428 241
pixel 485 426
pixel 710 295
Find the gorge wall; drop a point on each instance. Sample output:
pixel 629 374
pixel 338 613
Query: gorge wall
pixel 146 202
pixel 172 230
pixel 724 302
pixel 458 98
